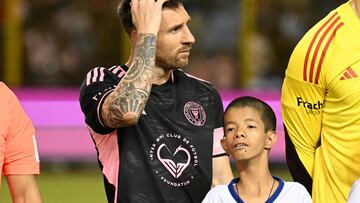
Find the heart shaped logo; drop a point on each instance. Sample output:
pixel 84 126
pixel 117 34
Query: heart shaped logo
pixel 176 169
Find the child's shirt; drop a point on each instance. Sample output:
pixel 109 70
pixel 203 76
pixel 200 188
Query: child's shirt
pixel 287 192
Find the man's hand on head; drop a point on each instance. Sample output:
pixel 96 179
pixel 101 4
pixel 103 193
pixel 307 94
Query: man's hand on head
pixel 146 15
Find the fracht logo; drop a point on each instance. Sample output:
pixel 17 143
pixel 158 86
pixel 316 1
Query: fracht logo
pixel 309 105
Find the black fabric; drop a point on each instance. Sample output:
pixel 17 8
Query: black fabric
pixel 167 156
pixel 297 169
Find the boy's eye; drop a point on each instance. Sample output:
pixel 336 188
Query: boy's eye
pixel 251 126
pixel 230 129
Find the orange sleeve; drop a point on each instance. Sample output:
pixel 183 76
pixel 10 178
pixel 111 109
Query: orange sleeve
pixel 20 155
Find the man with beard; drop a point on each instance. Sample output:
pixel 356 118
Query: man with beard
pixel 157 130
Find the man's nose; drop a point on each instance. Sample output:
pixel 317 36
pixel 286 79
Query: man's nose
pixel 188 36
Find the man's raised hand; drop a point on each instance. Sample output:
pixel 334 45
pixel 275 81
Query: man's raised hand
pixel 146 15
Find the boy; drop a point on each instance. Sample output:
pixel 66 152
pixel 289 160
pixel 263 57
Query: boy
pixel 249 126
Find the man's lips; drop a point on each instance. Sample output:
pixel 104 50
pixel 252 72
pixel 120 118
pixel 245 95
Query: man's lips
pixel 185 50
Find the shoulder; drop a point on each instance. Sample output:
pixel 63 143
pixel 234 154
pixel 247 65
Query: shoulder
pixel 321 31
pixel 100 74
pixel 12 113
pixel 294 185
pixel 6 94
pixel 194 81
pixel 4 90
pixel 219 188
pixel 179 73
pixel 308 57
pixel 295 189
pixel 100 79
pixel 188 75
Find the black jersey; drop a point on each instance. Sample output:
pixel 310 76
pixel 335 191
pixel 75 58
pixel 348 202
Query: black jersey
pixel 167 155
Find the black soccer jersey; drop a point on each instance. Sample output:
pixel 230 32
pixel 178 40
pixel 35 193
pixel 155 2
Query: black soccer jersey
pixel 167 155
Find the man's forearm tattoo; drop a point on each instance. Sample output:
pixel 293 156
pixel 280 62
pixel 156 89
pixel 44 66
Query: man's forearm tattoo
pixel 125 105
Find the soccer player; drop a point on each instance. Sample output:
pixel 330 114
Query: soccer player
pixel 321 106
pixel 19 160
pixel 157 130
pixel 250 133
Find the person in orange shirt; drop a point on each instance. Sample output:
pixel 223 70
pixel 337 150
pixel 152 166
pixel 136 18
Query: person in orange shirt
pixel 19 160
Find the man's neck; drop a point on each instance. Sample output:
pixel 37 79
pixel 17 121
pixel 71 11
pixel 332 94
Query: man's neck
pixel 160 75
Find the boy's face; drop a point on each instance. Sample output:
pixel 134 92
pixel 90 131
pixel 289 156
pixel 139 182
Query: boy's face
pixel 245 136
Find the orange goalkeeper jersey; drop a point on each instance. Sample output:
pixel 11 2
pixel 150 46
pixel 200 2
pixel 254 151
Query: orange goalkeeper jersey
pixel 321 107
pixel 18 150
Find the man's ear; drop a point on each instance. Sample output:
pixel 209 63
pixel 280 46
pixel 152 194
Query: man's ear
pixel 270 139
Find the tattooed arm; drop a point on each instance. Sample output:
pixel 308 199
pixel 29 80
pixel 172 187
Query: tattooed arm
pixel 124 106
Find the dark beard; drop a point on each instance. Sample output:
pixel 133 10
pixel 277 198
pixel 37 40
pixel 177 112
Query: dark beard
pixel 159 62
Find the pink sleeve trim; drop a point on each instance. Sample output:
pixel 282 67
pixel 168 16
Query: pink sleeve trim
pixel 217 136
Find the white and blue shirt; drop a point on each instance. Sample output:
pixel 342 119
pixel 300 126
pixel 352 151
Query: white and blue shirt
pixel 287 192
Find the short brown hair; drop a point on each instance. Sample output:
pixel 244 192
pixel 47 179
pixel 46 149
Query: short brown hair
pixel 266 112
pixel 124 12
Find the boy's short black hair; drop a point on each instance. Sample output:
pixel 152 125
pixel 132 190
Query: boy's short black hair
pixel 124 12
pixel 267 115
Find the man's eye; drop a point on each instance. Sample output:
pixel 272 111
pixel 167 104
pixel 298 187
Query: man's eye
pixel 175 30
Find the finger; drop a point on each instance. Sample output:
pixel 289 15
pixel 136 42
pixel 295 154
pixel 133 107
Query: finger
pixel 134 4
pixel 161 2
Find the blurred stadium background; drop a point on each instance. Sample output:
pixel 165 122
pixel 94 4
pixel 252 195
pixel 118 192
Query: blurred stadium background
pixel 47 46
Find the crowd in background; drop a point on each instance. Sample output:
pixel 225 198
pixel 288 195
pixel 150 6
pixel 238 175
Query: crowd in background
pixel 64 39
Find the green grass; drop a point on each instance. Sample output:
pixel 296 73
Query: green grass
pixel 276 169
pixel 84 184
pixel 280 170
pixel 79 186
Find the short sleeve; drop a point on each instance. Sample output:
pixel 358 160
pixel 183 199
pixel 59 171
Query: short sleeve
pixel 218 131
pixel 97 85
pixel 211 197
pixel 20 154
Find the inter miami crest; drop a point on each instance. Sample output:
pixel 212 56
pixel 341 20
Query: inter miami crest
pixel 195 113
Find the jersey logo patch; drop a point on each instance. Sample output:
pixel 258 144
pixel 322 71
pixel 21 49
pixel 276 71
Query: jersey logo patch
pixel 195 113
pixel 349 73
pixel 176 169
pixel 174 159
